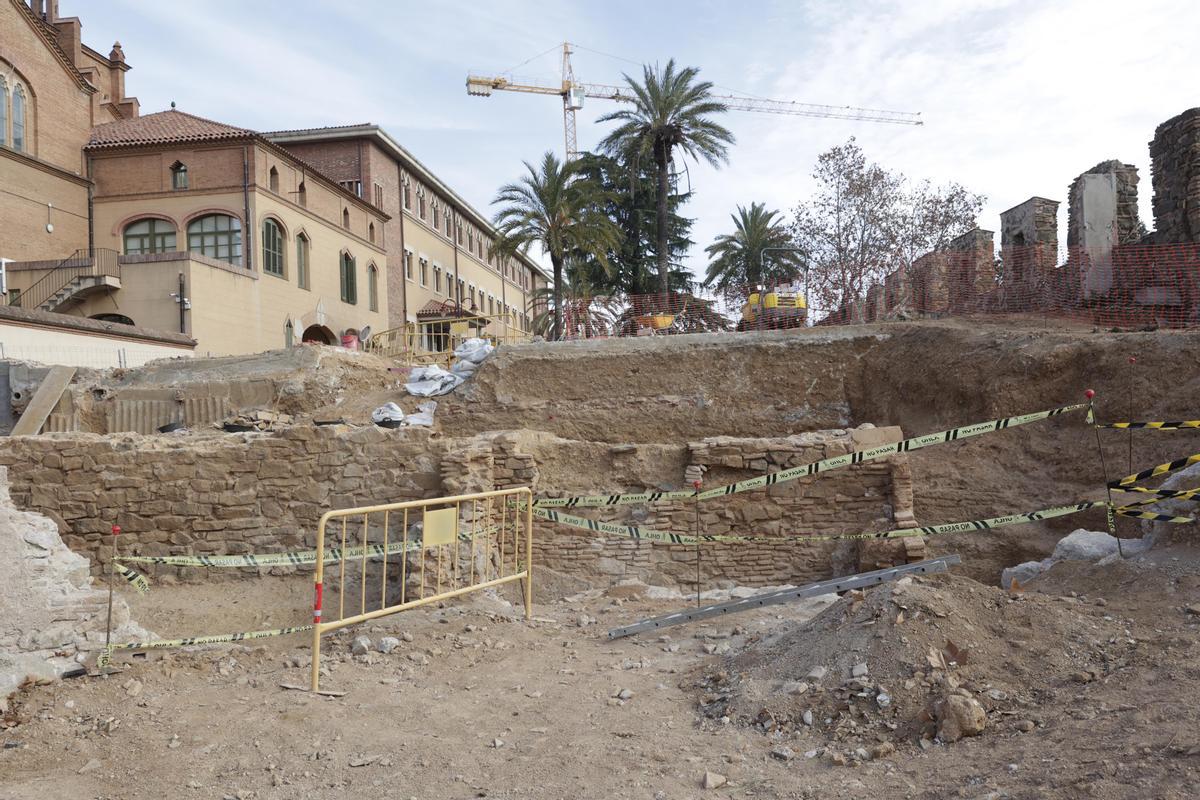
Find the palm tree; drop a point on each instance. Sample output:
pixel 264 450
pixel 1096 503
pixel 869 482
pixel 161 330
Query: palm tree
pixel 553 207
pixel 671 109
pixel 736 259
pixel 587 313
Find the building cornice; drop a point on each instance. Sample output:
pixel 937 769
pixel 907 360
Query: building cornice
pixel 406 159
pixel 45 166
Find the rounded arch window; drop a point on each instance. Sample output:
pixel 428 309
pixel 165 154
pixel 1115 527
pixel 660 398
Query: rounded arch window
pixel 150 235
pixel 217 236
pixel 273 180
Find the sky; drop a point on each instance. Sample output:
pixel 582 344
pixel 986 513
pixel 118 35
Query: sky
pixel 1017 97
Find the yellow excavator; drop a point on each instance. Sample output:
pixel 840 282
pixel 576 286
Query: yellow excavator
pixel 781 307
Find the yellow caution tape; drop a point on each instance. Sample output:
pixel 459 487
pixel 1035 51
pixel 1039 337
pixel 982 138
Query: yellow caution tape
pixel 645 534
pixel 1154 472
pixel 295 558
pixel 826 465
pixel 1154 426
pixel 136 579
pixel 1127 511
pixel 105 657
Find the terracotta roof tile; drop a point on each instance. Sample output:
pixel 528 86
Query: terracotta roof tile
pixel 436 308
pixel 163 126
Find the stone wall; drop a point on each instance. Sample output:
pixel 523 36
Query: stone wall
pixel 265 492
pixel 1125 226
pixel 1101 216
pixel 1175 176
pixel 873 496
pixel 233 493
pixel 952 279
pixel 1029 240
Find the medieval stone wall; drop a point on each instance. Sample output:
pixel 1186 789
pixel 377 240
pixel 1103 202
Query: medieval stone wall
pixel 238 493
pixel 265 492
pixel 1175 176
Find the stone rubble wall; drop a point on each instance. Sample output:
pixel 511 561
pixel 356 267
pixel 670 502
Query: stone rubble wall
pixel 237 493
pixel 1175 177
pixel 51 614
pixel 265 492
pixel 1127 226
pixel 872 496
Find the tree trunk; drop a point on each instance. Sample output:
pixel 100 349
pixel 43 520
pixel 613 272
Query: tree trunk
pixel 558 280
pixel 662 160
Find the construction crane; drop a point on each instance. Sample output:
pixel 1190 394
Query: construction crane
pixel 573 93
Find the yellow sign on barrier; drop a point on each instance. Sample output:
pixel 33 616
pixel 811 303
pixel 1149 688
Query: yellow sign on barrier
pixel 469 542
pixel 440 526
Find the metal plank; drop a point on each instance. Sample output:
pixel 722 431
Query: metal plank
pixel 48 394
pixel 859 581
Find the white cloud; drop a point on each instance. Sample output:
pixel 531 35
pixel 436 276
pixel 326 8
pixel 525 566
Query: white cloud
pixel 1019 96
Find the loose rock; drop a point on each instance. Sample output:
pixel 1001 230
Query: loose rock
pixel 958 716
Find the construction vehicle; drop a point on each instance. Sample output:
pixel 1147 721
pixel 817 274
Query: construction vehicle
pixel 781 307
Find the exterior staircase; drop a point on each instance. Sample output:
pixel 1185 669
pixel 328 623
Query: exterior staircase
pixel 78 288
pixel 84 273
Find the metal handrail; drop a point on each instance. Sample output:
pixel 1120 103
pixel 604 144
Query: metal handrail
pixel 407 341
pixel 98 261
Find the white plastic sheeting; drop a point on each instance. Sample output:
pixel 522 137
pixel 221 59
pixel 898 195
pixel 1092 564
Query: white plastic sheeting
pixel 433 380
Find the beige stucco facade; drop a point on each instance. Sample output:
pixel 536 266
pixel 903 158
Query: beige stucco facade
pixel 234 307
pixel 435 239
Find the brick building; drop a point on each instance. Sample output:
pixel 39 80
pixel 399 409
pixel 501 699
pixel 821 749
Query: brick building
pixel 438 259
pixel 53 90
pixel 179 223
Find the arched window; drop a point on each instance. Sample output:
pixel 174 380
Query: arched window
pixel 18 120
pixel 217 236
pixel 272 248
pixel 289 334
pixel 302 194
pixel 346 218
pixel 349 280
pixel 179 176
pixel 371 233
pixel 3 112
pixel 372 287
pixel 273 180
pixel 302 261
pixel 437 216
pixel 149 236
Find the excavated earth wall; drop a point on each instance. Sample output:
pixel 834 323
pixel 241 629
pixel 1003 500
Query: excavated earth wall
pixel 633 415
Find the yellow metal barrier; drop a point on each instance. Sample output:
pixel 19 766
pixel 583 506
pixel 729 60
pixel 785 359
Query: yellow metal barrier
pixel 433 341
pixel 470 541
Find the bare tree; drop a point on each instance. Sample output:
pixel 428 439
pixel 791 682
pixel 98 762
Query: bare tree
pixel 865 221
pixel 929 218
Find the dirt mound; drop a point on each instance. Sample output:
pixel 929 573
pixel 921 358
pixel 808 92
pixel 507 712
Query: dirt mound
pixel 879 668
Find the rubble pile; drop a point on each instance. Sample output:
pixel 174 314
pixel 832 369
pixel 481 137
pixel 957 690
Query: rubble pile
pixel 260 420
pixel 921 662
